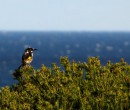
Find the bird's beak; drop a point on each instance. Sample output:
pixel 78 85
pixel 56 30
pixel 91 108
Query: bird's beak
pixel 35 49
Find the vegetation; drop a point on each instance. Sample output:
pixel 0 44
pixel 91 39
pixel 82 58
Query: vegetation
pixel 72 85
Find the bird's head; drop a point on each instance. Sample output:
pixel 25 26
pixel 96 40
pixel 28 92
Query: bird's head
pixel 30 50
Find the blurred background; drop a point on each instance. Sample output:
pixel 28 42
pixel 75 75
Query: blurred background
pixel 78 29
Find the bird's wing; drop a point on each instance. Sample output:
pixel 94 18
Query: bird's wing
pixel 25 56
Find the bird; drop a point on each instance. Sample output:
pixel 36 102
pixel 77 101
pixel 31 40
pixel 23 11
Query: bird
pixel 27 56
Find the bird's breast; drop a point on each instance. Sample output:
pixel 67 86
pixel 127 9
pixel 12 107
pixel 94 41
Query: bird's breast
pixel 29 59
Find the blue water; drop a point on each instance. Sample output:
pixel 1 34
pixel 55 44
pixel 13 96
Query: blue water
pixel 51 45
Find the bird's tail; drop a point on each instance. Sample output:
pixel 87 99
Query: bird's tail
pixel 22 65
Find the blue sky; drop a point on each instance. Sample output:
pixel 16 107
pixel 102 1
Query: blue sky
pixel 65 15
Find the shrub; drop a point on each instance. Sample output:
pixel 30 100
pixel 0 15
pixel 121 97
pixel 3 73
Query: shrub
pixel 72 85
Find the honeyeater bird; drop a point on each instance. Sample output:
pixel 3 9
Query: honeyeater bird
pixel 27 57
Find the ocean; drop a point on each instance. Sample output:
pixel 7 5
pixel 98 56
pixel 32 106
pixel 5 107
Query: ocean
pixel 52 45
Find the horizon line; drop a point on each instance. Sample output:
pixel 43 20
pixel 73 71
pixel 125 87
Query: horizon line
pixel 119 31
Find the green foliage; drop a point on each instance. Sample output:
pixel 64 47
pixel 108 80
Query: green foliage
pixel 73 85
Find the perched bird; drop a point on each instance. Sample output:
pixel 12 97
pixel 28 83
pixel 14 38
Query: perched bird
pixel 27 57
